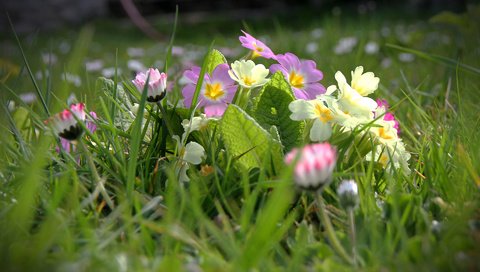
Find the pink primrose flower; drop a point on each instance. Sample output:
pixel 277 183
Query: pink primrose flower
pixel 302 75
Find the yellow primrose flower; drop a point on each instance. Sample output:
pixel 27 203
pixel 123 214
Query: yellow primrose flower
pixel 247 74
pixel 391 158
pixel 350 101
pixel 364 83
pixel 318 110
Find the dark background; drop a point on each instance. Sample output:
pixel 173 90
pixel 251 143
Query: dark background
pixel 32 15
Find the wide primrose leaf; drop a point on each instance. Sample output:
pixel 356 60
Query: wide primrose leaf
pixel 248 143
pixel 272 110
pixel 214 59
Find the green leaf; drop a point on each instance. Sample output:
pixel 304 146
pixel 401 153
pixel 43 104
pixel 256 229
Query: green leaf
pixel 247 141
pixel 107 85
pixel 214 58
pixel 272 110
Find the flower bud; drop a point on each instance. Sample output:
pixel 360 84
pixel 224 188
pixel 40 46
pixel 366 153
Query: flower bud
pixel 314 166
pixel 65 123
pixel 157 84
pixel 348 193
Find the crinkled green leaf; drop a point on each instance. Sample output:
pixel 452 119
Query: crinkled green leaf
pixel 215 58
pixel 247 141
pixel 272 110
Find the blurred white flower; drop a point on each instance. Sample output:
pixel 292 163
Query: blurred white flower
pixel 135 65
pixel 177 51
pixel 64 47
pixel 386 62
pixel 371 48
pixel 72 78
pixel 406 57
pixel 110 72
pixel 317 33
pixel 28 98
pixel 49 58
pixel 345 45
pixel 93 65
pixel 311 47
pixel 134 52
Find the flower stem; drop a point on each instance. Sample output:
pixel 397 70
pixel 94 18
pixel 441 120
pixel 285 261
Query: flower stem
pixel 164 116
pixel 337 246
pixel 99 182
pixel 353 238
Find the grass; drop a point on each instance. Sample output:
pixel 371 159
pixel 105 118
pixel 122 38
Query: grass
pixel 53 216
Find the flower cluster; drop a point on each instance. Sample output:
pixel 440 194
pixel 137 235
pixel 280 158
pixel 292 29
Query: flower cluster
pixel 341 108
pixel 348 106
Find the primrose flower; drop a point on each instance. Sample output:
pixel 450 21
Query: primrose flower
pixel 65 124
pixel 319 110
pixel 247 74
pixel 347 191
pixel 157 84
pixel 217 91
pixel 191 153
pixel 314 165
pixel 352 102
pixel 391 157
pixel 384 132
pixel 364 83
pixel 259 49
pixel 387 116
pixel 303 75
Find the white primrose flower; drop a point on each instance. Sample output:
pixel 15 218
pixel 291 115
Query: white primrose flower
pixel 196 123
pixel 191 153
pixel 364 83
pixel 352 102
pixel 318 110
pixel 247 74
pixel 384 132
pixel 391 157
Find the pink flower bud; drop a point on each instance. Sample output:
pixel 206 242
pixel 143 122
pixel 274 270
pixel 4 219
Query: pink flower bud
pixel 65 123
pixel 157 84
pixel 314 166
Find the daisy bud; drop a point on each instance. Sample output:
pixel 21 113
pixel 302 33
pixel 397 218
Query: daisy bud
pixel 65 124
pixel 157 84
pixel 314 166
pixel 348 194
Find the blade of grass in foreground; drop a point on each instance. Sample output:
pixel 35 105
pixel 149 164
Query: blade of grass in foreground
pixel 135 142
pixel 30 73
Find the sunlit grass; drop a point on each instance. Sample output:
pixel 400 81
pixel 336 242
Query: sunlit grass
pixel 53 215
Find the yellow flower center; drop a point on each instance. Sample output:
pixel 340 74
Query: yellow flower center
pixel 382 133
pixel 296 80
pixel 383 159
pixel 248 80
pixel 214 91
pixel 257 48
pixel 323 113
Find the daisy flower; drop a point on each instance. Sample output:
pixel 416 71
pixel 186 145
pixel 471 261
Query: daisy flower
pixel 157 84
pixel 314 165
pixel 65 124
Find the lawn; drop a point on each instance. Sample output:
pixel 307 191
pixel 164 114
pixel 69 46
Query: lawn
pixel 157 186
